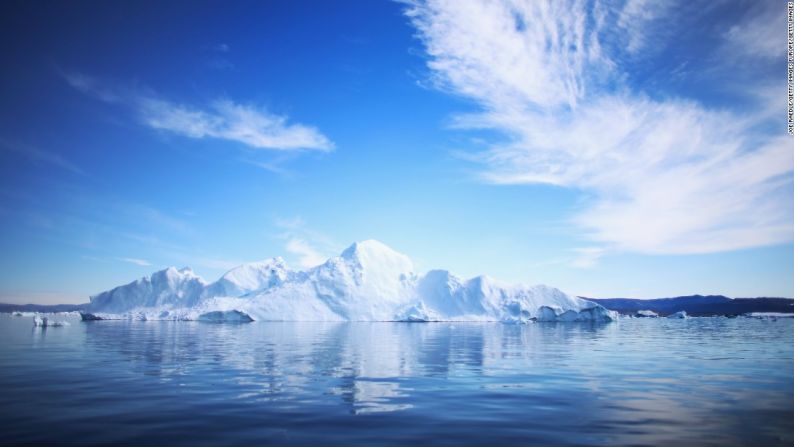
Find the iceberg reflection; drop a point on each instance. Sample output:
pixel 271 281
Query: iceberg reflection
pixel 363 365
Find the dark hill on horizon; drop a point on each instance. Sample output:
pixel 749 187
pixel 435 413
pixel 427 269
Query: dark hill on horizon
pixel 8 308
pixel 698 305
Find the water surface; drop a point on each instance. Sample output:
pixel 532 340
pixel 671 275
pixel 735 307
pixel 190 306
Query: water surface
pixel 636 382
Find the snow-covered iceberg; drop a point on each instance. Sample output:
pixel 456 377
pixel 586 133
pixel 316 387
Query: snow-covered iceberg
pixel 367 282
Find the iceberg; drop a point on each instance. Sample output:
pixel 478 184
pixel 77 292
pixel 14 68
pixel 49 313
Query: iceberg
pixel 39 321
pixel 680 314
pixel 368 281
pixel 164 289
pixel 646 314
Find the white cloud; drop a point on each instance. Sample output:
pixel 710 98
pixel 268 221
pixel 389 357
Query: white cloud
pixel 136 261
pixel 538 65
pixel 222 119
pixel 637 16
pixel 309 247
pixel 762 33
pixel 272 166
pixel 663 175
pixel 307 255
pixel 227 120
pixel 587 257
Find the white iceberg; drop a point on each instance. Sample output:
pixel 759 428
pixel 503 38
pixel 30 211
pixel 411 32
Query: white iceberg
pixel 646 314
pixel 680 314
pixel 367 282
pixel 39 321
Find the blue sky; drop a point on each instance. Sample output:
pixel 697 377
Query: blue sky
pixel 606 148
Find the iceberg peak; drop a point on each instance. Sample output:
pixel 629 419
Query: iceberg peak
pixel 173 274
pixel 369 247
pixel 375 255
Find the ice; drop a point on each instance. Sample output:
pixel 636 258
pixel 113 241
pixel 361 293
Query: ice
pixel 367 282
pixel 229 316
pixel 680 314
pixel 39 321
pixel 770 315
pixel 250 277
pixel 646 314
pixel 166 288
pixel 593 313
pixel 418 313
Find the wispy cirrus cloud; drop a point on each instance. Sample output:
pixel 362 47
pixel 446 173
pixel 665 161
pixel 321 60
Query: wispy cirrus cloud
pixel 217 56
pixel 227 120
pixel 635 18
pixel 587 257
pixel 222 119
pixel 217 47
pixel 136 261
pixel 309 247
pixel 307 255
pixel 663 173
pixel 760 34
pixel 40 156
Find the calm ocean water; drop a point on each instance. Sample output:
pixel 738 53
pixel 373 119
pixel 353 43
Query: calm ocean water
pixel 693 382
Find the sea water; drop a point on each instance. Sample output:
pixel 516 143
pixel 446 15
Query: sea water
pixel 699 381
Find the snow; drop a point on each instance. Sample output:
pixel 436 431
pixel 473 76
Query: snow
pixel 367 282
pixel 418 313
pixel 680 314
pixel 39 321
pixel 166 288
pixel 250 277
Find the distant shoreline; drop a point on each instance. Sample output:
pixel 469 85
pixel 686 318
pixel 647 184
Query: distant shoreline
pixel 698 305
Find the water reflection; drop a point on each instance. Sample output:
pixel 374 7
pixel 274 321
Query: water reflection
pixel 688 382
pixel 365 365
